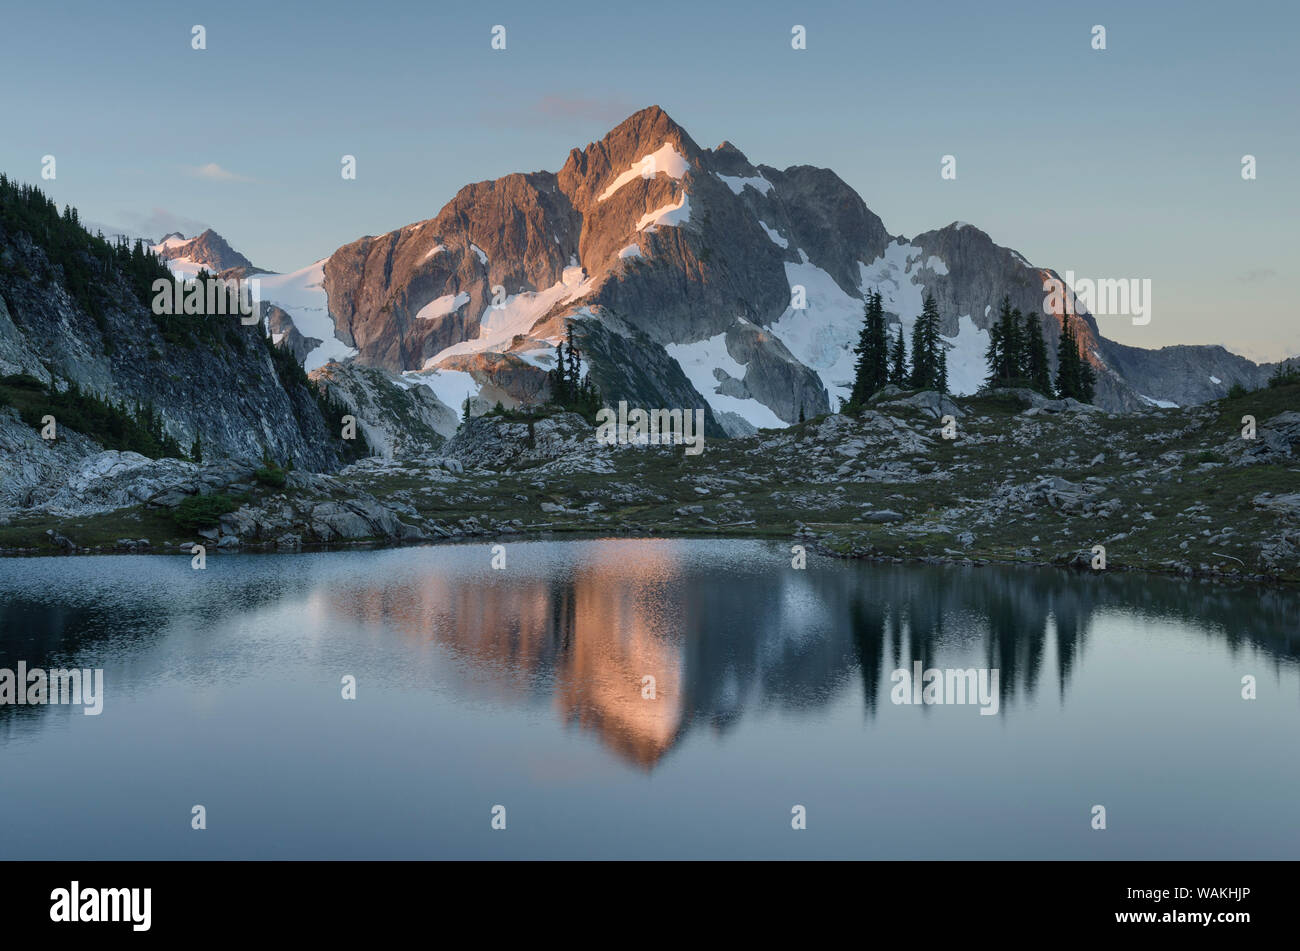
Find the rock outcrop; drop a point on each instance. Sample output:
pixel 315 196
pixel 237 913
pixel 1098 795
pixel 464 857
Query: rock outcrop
pixel 399 419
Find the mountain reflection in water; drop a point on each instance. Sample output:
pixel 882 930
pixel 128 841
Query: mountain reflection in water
pixel 526 685
pixel 749 632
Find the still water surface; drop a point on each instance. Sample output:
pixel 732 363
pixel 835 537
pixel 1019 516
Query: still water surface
pixel 524 688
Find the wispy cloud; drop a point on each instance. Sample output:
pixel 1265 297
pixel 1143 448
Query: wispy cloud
pixel 215 173
pixel 152 224
pixel 1257 275
pixel 584 108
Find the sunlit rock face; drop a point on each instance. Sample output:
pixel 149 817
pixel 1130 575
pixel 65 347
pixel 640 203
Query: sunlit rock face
pixel 695 277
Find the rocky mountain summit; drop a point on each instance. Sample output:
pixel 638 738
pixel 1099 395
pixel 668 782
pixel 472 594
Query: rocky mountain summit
pixel 695 277
pixel 207 250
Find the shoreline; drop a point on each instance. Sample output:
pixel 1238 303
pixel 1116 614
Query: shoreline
pixel 1176 493
pixel 812 544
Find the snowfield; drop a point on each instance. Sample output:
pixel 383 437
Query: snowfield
pixel 301 294
pixel 698 361
pixel 450 386
pixel 498 326
pixel 822 335
pixel 442 306
pixel 738 184
pixel 666 159
pixel 668 216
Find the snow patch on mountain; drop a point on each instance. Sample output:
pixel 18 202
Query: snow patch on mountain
pixel 738 183
pixel 891 274
pixel 822 334
pixel 498 326
pixel 966 369
pixel 442 306
pixel 668 216
pixel 631 251
pixel 450 386
pixel 666 159
pixel 184 268
pixel 301 294
pixel 700 359
pixel 775 235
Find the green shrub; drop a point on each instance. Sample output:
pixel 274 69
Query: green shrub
pixel 1288 371
pixel 202 511
pixel 22 381
pixel 270 475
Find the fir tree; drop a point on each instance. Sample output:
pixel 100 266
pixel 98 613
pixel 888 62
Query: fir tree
pixel 1067 360
pixel 558 377
pixel 568 389
pixel 871 373
pixel 1087 380
pixel 898 360
pixel 1037 370
pixel 1007 354
pixel 1074 374
pixel 575 360
pixel 926 347
pixel 1015 349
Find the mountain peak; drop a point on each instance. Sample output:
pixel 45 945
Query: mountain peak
pixel 651 117
pixel 648 128
pixel 208 250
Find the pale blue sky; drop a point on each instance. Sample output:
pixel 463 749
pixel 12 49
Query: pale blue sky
pixel 1117 164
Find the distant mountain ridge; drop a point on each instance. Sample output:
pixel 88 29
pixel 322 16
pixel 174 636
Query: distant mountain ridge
pixel 207 250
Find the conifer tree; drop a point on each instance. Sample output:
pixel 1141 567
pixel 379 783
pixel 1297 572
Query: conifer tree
pixel 1087 380
pixel 926 347
pixel 1037 370
pixel 898 360
pixel 575 361
pixel 1074 374
pixel 568 389
pixel 1067 360
pixel 871 372
pixel 1015 344
pixel 1007 354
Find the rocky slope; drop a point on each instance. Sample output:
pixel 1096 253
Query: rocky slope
pixel 399 419
pixel 696 278
pixel 212 379
pixel 1024 480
